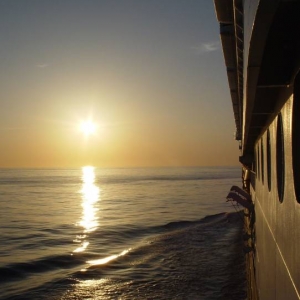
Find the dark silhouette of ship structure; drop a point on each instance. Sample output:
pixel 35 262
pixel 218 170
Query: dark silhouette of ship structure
pixel 261 46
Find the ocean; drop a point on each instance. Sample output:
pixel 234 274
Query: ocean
pixel 93 233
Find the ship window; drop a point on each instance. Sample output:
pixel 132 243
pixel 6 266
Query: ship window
pixel 262 160
pixel 296 137
pixel 258 163
pixel 269 159
pixel 280 158
pixel 254 164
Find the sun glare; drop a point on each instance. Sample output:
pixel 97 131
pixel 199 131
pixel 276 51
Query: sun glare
pixel 88 127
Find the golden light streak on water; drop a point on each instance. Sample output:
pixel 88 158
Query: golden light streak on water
pixel 82 247
pixel 105 260
pixel 90 195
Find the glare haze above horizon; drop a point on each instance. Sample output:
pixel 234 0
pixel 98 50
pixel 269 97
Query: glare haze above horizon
pixel 149 75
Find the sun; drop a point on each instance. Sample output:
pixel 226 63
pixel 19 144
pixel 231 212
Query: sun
pixel 88 127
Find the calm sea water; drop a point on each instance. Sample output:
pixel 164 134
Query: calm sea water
pixel 92 233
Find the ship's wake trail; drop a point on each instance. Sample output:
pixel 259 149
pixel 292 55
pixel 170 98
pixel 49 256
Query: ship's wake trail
pixel 182 260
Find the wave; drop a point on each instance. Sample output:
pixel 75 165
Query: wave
pixel 178 260
pixel 17 271
pixel 207 219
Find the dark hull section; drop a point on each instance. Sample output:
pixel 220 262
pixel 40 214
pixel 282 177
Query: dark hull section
pixel 266 103
pixel 277 220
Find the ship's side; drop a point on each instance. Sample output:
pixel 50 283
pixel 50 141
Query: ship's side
pixel 261 45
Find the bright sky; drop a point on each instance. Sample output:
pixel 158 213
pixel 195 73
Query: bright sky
pixel 150 76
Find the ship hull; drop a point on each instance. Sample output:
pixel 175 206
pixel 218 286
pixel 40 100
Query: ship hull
pixel 261 48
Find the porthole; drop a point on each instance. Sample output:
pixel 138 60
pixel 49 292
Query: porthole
pixel 269 159
pixel 254 164
pixel 296 136
pixel 262 160
pixel 258 163
pixel 280 158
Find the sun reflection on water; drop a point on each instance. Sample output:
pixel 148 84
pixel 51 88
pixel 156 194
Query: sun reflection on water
pixel 90 195
pixel 105 260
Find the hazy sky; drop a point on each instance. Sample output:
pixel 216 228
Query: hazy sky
pixel 150 73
